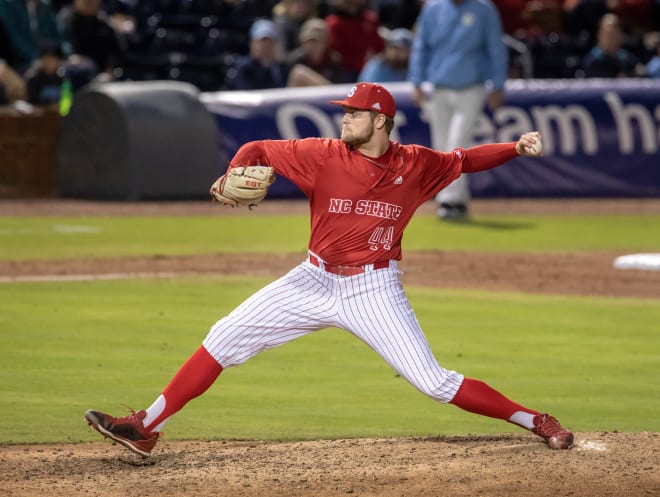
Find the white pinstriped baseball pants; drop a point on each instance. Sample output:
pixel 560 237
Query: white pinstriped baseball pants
pixel 372 306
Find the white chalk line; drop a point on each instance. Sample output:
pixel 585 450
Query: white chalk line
pixel 581 445
pixel 591 445
pixel 75 229
pixel 61 229
pixel 49 278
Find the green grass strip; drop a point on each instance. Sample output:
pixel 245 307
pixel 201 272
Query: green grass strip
pixel 67 347
pixel 67 237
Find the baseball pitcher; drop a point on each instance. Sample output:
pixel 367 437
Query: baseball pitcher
pixel 363 190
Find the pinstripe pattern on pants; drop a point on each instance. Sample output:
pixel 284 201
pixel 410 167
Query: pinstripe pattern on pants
pixel 372 306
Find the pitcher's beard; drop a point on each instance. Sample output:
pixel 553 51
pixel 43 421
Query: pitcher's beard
pixel 354 140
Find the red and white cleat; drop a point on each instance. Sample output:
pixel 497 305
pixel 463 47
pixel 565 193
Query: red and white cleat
pixel 548 428
pixel 128 430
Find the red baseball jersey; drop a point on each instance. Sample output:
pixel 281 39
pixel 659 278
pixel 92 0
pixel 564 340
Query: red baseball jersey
pixel 359 205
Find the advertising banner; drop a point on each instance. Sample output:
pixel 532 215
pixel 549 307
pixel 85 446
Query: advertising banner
pixel 601 137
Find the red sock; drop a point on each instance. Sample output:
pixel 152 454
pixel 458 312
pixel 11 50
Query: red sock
pixel 477 397
pixel 193 379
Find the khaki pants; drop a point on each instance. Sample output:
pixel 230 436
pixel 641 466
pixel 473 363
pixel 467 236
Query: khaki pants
pixel 452 115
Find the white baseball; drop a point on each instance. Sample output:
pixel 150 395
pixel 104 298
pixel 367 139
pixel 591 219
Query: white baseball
pixel 536 148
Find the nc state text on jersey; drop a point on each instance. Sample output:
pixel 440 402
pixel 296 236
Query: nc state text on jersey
pixel 363 207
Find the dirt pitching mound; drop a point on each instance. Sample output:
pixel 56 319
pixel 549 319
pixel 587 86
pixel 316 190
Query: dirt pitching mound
pixel 600 465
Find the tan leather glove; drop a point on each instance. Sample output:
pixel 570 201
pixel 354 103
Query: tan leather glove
pixel 243 186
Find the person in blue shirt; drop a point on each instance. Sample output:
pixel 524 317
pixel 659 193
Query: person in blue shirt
pixel 392 63
pixel 458 50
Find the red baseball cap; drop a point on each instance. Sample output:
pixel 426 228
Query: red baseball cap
pixel 369 96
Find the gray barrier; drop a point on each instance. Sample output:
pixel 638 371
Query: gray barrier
pixel 136 141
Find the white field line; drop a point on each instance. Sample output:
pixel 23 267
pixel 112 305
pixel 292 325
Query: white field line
pixel 75 228
pixel 590 445
pixel 61 229
pixel 85 277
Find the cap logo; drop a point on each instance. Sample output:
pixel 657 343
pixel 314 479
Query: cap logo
pixel 351 92
pixel 376 106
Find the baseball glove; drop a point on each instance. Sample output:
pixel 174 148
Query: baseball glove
pixel 243 186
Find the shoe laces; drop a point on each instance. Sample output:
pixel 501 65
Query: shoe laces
pixel 132 417
pixel 549 426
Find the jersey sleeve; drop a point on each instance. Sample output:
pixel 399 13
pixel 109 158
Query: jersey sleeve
pixel 441 168
pixel 296 160
pixel 488 156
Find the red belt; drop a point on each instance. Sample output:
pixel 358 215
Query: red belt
pixel 342 270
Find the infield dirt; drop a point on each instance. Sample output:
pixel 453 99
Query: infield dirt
pixel 600 464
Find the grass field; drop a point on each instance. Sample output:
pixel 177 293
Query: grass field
pixel 66 237
pixel 69 346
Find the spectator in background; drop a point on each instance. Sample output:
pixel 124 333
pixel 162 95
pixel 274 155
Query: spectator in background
pixel 458 49
pixel 554 53
pixel 289 16
pixel 514 16
pixel 314 63
pixel 608 59
pixel 263 68
pixel 653 65
pixel 89 32
pixel 392 63
pixel 353 30
pixel 44 78
pixel 12 86
pixel 28 24
pixel 635 17
pixel 6 49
